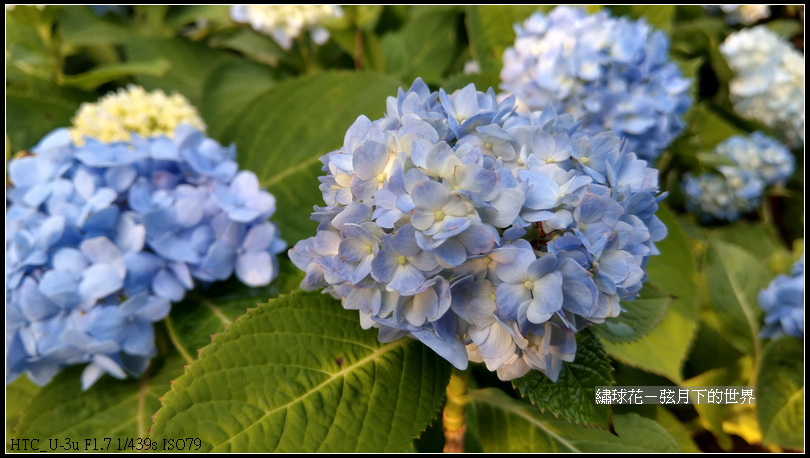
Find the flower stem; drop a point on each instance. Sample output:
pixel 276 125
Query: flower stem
pixel 454 417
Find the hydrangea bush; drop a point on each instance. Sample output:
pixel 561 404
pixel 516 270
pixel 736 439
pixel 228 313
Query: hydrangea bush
pixel 783 303
pixel 769 81
pixel 760 161
pixel 102 237
pixel 610 73
pixel 486 234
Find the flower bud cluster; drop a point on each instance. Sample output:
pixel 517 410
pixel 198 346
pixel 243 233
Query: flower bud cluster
pixel 102 237
pixel 769 81
pixel 783 303
pixel 117 115
pixel 760 161
pixel 286 22
pixel 486 234
pixel 610 73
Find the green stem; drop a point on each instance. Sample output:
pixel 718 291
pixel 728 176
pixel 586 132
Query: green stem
pixel 358 49
pixel 454 417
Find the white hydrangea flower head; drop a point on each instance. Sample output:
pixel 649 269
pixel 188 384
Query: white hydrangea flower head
pixel 743 14
pixel 769 81
pixel 286 22
pixel 118 114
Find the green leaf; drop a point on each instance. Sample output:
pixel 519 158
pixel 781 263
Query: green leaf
pixel 228 90
pixel 191 64
pixel 780 393
pixel 675 428
pixel 735 277
pixel 509 426
pixel 284 131
pixel 658 16
pixel 115 409
pixel 663 350
pixel 300 375
pixel 261 48
pixel 714 160
pixel 81 26
pixel 111 72
pixel 19 394
pixel 26 54
pixel 193 322
pixel 409 55
pixel 760 240
pixel 573 395
pixel 35 107
pixel 180 15
pixel 639 316
pixel 735 373
pixel 785 28
pixel 490 31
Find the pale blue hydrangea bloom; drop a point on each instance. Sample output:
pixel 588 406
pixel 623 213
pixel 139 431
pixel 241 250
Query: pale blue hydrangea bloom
pixel 101 238
pixel 769 81
pixel 759 160
pixel 783 303
pixel 610 73
pixel 486 234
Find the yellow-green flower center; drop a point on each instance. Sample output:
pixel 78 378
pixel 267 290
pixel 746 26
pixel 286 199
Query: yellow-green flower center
pixel 402 260
pixel 528 284
pixel 381 178
pixel 438 215
pixel 368 249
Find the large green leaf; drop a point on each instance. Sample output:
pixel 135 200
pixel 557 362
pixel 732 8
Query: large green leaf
pixel 665 347
pixel 299 374
pixel 658 16
pixel 490 31
pixel 285 130
pixel 735 277
pixel 509 426
pixel 111 72
pixel 111 408
pixel 193 322
pixel 409 55
pixel 734 373
pixel 191 64
pixel 19 394
pixel 760 240
pixel 228 90
pixel 780 393
pixel 638 317
pixel 81 26
pixel 35 107
pixel 573 395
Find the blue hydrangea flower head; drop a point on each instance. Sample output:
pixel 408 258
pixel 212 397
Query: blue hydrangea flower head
pixel 769 81
pixel 610 73
pixel 783 303
pixel 486 234
pixel 102 237
pixel 759 160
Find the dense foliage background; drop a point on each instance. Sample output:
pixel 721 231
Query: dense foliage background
pixel 298 373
